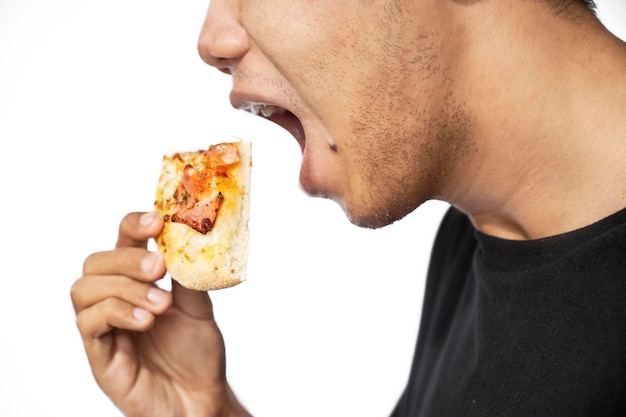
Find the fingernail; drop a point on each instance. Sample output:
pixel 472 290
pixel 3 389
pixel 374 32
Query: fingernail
pixel 148 218
pixel 156 296
pixel 140 314
pixel 150 262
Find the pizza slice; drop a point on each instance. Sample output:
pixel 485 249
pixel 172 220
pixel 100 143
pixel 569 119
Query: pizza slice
pixel 205 200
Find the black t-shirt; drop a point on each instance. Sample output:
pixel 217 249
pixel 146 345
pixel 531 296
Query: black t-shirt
pixel 522 328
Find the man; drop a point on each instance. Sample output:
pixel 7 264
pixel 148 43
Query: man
pixel 511 111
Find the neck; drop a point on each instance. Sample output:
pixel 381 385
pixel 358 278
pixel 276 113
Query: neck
pixel 551 123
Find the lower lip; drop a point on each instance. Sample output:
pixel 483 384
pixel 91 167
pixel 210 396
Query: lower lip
pixel 306 179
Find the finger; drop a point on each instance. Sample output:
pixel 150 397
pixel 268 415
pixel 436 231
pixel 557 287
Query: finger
pixel 97 327
pixel 136 228
pixel 196 304
pixel 91 290
pixel 136 263
pixel 101 318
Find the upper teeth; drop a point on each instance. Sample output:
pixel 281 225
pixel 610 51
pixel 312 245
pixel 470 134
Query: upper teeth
pixel 265 110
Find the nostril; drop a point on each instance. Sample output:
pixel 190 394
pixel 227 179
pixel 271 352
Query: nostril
pixel 222 64
pixel 221 45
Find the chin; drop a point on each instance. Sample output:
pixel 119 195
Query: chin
pixel 356 217
pixel 372 222
pixel 370 219
pixel 363 212
pixel 376 217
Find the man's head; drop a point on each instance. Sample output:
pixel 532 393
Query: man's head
pixel 376 92
pixel 368 90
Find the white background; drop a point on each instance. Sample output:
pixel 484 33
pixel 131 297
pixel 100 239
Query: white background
pixel 91 95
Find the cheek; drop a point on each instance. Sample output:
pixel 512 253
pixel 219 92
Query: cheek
pixel 289 29
pixel 313 56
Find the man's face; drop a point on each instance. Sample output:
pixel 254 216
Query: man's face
pixel 367 89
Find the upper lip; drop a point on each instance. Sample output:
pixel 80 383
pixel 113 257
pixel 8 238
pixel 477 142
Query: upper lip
pixel 271 109
pixel 264 109
pixel 246 100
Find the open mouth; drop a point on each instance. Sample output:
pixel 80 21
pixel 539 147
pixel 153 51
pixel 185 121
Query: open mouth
pixel 281 116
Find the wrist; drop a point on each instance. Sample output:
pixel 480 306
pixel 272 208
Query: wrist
pixel 233 407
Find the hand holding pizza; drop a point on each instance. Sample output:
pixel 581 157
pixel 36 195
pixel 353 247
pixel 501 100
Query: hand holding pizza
pixel 153 353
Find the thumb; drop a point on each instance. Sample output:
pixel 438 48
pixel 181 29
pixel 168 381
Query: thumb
pixel 196 304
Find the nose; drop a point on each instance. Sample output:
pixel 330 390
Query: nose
pixel 223 40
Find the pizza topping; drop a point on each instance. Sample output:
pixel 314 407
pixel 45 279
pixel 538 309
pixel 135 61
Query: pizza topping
pixel 222 155
pixel 198 195
pixel 202 215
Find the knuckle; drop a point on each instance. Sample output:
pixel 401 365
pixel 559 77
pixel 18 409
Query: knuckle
pixel 75 291
pixel 81 322
pixel 129 218
pixel 90 260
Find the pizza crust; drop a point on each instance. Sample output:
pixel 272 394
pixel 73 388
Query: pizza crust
pixel 217 259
